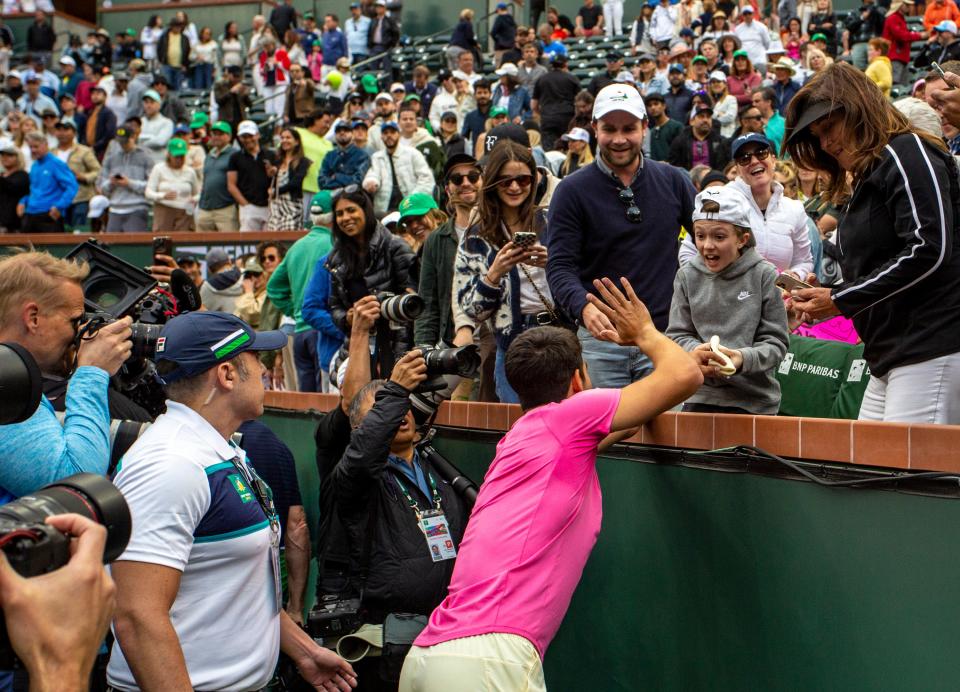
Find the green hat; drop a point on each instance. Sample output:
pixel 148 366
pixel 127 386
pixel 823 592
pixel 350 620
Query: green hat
pixel 177 147
pixel 411 97
pixel 222 126
pixel 498 110
pixel 131 32
pixel 308 15
pixel 199 120
pixel 699 58
pixel 819 37
pixel 369 83
pixel 417 204
pixel 322 203
pixel 317 43
pixel 741 54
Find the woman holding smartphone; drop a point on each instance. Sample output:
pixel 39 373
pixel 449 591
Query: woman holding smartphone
pixel 500 269
pixel 901 268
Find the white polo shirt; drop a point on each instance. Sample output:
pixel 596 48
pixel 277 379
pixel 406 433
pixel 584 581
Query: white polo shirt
pixel 193 511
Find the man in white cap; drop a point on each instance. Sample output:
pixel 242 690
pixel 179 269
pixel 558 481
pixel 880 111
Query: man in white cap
pixel 754 38
pixel 156 129
pixel 941 46
pixel 618 216
pixel 248 178
pixel 69 77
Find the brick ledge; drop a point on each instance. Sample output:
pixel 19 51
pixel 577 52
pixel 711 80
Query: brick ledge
pixel 890 445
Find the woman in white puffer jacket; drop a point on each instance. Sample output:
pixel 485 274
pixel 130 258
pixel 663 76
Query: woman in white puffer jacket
pixel 784 240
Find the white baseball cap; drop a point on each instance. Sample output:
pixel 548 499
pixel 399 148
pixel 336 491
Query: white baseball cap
pixel 946 26
pixel 98 205
pixel 67 60
pixel 392 217
pixel 717 76
pixel 397 86
pixel 247 127
pixel 625 77
pixel 383 96
pixel 619 97
pixel 461 75
pixel 508 69
pixel 734 207
pixel 577 134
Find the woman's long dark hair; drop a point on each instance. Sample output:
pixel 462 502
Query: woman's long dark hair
pixel 869 123
pixel 226 29
pixel 296 153
pixel 347 251
pixel 491 217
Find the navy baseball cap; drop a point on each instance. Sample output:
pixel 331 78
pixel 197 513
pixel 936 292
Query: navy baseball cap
pixel 198 341
pixel 752 138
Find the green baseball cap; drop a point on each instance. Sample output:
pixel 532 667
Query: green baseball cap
pixel 741 54
pixel 699 58
pixel 177 147
pixel 222 126
pixel 322 203
pixel 498 110
pixel 199 120
pixel 417 204
pixel 818 37
pixel 369 83
pixel 411 97
pixel 131 32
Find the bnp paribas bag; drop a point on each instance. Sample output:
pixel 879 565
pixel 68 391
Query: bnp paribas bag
pixel 822 379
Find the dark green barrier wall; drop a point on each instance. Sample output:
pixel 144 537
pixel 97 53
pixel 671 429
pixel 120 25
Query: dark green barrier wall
pixel 703 580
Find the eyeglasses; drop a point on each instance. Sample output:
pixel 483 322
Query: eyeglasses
pixel 270 258
pixel 634 215
pixel 523 181
pixel 759 154
pixel 472 176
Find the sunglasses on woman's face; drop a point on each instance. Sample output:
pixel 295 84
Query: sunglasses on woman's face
pixel 458 178
pixel 758 154
pixel 270 258
pixel 521 180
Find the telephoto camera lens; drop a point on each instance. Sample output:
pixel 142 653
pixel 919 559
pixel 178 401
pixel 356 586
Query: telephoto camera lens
pixel 20 384
pixel 463 361
pixel 400 308
pixel 144 338
pixel 34 548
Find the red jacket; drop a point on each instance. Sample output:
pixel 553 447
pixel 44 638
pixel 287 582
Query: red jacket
pixel 282 64
pixel 895 30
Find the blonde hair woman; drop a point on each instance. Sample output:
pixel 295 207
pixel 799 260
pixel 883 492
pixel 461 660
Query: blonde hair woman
pixel 578 151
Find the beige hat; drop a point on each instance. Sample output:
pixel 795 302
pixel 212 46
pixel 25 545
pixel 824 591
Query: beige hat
pixel 785 63
pixel 679 49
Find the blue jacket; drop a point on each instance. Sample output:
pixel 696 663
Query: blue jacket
pixel 52 184
pixel 784 93
pixel 519 103
pixel 342 167
pixel 316 313
pixel 589 236
pixel 474 123
pixel 356 31
pixel 334 46
pixel 40 450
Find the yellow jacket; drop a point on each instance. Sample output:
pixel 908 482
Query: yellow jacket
pixel 880 72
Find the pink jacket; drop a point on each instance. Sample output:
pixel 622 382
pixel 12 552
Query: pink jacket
pixel 742 87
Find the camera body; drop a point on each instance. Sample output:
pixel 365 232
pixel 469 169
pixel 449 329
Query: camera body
pixel 334 616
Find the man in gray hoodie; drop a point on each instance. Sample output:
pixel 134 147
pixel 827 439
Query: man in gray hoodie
pixel 123 180
pixel 730 291
pixel 224 283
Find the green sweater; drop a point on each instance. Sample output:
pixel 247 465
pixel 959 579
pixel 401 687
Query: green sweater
pixel 290 278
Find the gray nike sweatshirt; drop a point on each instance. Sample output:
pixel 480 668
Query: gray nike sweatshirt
pixel 742 305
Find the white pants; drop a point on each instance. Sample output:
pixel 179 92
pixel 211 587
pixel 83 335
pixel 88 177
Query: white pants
pixel 254 218
pixel 927 392
pixel 274 98
pixel 613 18
pixel 485 663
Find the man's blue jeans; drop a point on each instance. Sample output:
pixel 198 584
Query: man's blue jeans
pixel 305 359
pixel 612 366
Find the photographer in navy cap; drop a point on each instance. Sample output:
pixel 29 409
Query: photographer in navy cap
pixel 198 587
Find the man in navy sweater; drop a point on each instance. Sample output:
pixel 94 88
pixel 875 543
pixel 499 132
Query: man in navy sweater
pixel 620 216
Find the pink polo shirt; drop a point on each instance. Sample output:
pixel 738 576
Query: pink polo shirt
pixel 532 529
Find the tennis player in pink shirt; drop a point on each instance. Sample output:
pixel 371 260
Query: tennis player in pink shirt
pixel 538 513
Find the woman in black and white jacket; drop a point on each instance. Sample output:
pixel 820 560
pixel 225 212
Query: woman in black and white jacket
pixel 898 243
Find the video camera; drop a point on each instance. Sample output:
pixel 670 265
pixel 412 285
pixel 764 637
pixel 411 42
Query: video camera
pixel 34 548
pixel 114 289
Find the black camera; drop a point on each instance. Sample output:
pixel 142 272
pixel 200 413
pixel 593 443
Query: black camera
pixel 334 616
pixel 405 307
pixel 463 362
pixel 34 548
